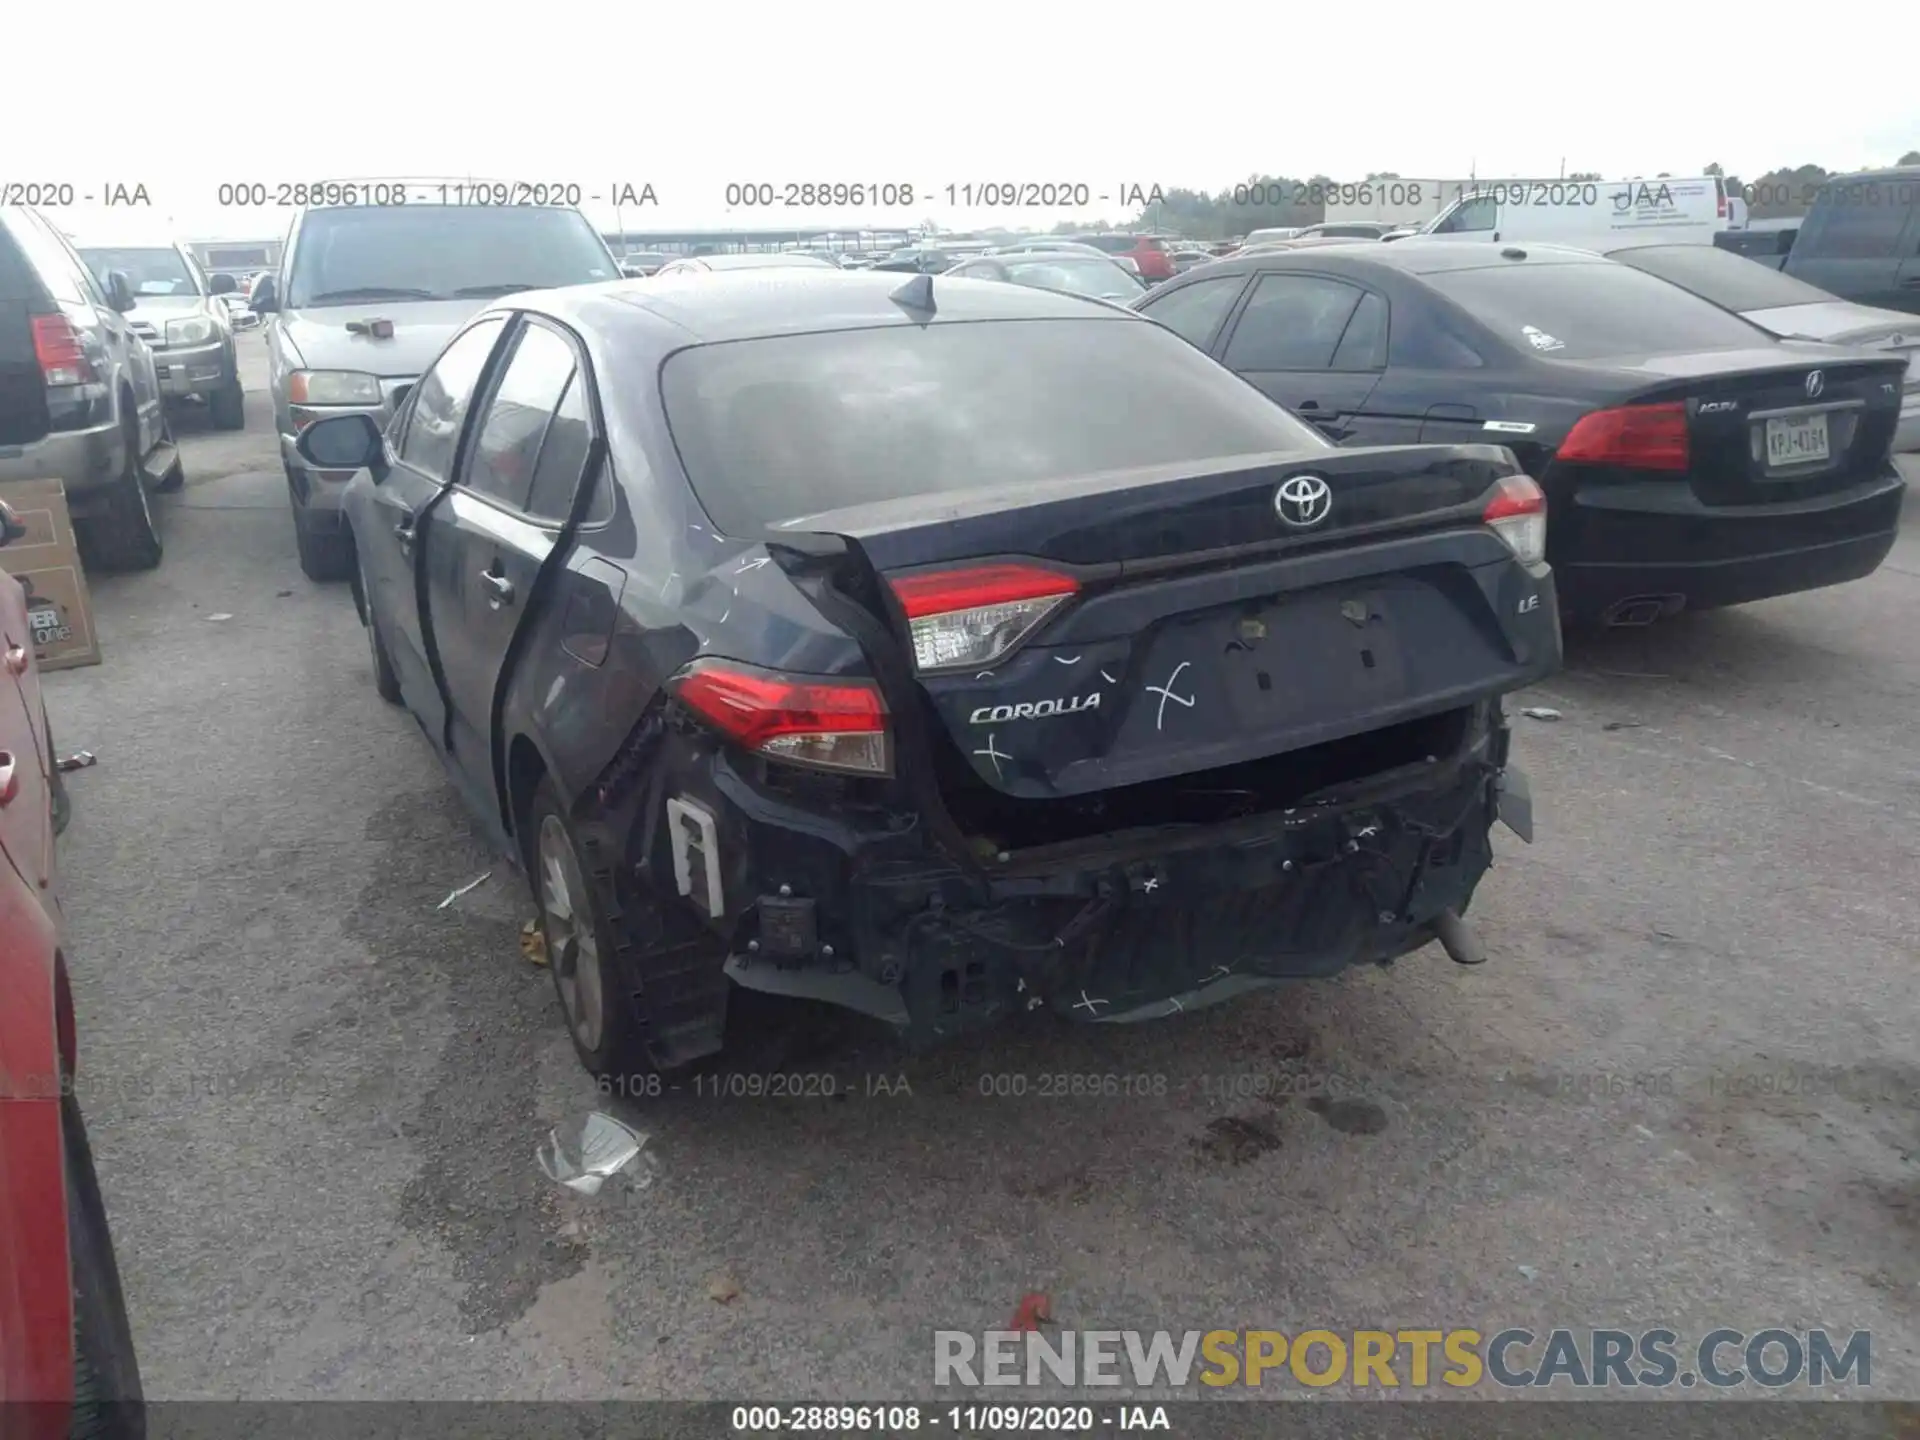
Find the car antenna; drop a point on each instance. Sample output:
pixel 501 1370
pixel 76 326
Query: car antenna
pixel 916 295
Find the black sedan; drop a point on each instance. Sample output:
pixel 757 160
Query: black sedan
pixel 1690 459
pixel 1073 272
pixel 938 649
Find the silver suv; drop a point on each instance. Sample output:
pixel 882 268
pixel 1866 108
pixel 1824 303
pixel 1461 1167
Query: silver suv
pixel 365 299
pixel 79 396
pixel 184 320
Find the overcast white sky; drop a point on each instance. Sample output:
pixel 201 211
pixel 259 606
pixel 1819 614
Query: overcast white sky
pixel 689 97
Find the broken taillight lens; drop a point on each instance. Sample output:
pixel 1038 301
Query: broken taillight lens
pixel 1518 515
pixel 823 723
pixel 972 617
pixel 62 352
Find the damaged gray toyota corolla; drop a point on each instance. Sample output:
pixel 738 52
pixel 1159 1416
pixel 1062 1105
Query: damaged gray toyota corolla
pixel 943 650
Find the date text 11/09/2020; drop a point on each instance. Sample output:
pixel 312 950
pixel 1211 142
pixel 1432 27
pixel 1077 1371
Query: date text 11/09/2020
pixel 498 194
pixel 824 1420
pixel 967 195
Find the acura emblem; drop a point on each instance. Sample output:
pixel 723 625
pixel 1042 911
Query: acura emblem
pixel 1816 382
pixel 1302 500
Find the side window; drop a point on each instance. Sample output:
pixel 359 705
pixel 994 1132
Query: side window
pixel 1425 341
pixel 1292 322
pixel 1194 312
pixel 557 474
pixel 1364 346
pixel 63 275
pixel 1857 227
pixel 443 395
pixel 501 465
pixel 1474 215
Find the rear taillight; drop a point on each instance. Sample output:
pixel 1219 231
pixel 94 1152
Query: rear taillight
pixel 974 616
pixel 1518 515
pixel 1639 437
pixel 61 351
pixel 806 720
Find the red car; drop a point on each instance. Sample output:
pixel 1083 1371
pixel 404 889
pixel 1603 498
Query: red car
pixel 67 1365
pixel 1151 254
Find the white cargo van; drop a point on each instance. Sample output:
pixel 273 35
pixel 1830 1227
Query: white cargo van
pixel 1576 212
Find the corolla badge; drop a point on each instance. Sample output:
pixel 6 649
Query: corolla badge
pixel 1303 501
pixel 1034 709
pixel 1816 382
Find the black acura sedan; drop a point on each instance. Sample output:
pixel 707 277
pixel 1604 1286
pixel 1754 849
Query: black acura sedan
pixel 1689 458
pixel 937 648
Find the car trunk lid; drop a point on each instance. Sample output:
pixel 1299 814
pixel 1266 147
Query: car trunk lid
pixel 1749 428
pixel 1181 623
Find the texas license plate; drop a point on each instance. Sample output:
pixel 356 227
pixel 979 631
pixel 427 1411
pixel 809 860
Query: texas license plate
pixel 1799 441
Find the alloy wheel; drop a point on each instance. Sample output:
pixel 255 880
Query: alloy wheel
pixel 572 946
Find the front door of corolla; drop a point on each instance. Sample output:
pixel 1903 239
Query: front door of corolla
pixel 1316 345
pixel 490 538
pixel 389 516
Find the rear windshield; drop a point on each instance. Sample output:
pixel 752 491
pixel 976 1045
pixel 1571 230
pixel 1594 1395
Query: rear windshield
pixel 775 429
pixel 153 269
pixel 441 252
pixel 1592 311
pixel 1728 280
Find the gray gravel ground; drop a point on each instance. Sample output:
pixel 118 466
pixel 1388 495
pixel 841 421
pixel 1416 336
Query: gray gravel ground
pixel 1685 1091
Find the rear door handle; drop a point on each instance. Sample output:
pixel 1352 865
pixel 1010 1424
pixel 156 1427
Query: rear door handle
pixel 403 532
pixel 500 586
pixel 9 781
pixel 17 660
pixel 1912 282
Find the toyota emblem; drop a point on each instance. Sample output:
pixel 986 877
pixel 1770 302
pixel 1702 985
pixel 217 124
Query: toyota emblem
pixel 1816 382
pixel 1302 501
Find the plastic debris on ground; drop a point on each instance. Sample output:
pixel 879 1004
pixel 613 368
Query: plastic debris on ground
pixel 1529 1272
pixel 1623 725
pixel 585 1152
pixel 79 760
pixel 470 885
pixel 533 943
pixel 223 615
pixel 1540 712
pixel 724 1289
pixel 1034 1310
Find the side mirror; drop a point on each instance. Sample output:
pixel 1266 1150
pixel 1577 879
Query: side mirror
pixel 633 272
pixel 265 299
pixel 10 527
pixel 120 291
pixel 344 442
pixel 222 285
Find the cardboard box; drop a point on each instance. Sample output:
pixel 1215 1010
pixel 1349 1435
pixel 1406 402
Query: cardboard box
pixel 46 562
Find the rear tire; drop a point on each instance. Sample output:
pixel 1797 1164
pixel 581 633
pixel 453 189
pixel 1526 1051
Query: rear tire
pixel 580 954
pixel 325 555
pixel 108 1401
pixel 228 408
pixel 124 535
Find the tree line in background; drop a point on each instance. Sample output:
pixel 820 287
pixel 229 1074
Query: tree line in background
pixel 1779 194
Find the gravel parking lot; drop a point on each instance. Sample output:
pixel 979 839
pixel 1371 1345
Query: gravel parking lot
pixel 1685 1091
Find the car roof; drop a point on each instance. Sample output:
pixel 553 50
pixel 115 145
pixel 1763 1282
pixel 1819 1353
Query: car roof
pixel 784 259
pixel 748 305
pixel 1416 255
